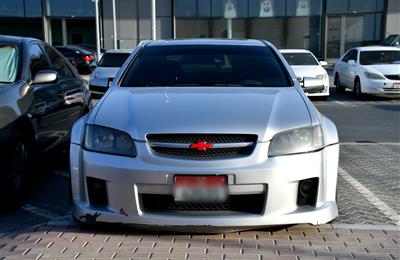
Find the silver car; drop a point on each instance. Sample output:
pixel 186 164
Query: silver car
pixel 202 134
pixel 106 69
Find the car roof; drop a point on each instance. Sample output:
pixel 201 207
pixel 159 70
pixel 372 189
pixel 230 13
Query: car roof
pixel 377 48
pixel 294 51
pixel 119 51
pixel 174 42
pixel 15 39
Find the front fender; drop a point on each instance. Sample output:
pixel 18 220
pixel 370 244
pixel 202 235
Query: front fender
pixel 78 130
pixel 330 131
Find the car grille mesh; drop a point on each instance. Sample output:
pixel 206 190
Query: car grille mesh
pixel 250 204
pixel 163 140
pixel 393 77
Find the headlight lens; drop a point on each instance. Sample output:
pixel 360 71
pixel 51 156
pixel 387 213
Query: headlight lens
pixel 108 140
pixel 294 141
pixel 372 75
pixel 322 76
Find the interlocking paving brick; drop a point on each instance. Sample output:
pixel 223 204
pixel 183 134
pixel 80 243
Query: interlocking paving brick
pixel 65 242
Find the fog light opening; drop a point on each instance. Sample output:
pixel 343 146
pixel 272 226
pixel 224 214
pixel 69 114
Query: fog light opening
pixel 97 192
pixel 307 192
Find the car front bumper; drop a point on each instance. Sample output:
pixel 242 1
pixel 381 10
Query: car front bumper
pixel 380 87
pixel 128 178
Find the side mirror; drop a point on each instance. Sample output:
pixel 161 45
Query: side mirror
pixel 323 63
pixel 351 62
pixel 313 85
pixel 44 76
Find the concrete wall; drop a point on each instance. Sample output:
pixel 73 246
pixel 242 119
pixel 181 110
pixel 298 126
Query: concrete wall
pixel 134 21
pixel 393 17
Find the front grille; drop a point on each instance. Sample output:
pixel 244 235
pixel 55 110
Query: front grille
pixel 224 146
pixel 249 204
pixel 209 138
pixel 393 77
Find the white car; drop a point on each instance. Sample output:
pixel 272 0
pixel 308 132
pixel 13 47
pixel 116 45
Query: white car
pixel 369 70
pixel 106 69
pixel 304 64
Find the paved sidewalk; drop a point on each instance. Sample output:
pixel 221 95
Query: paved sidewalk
pixel 116 242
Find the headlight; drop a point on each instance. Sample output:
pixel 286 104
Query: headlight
pixel 107 140
pixel 322 76
pixel 294 141
pixel 372 75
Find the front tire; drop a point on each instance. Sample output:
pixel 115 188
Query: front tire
pixel 14 164
pixel 339 88
pixel 357 90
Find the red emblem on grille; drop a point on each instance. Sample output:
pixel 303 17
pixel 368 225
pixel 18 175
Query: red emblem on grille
pixel 201 146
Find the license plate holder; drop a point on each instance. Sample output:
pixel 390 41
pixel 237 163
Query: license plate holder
pixel 200 189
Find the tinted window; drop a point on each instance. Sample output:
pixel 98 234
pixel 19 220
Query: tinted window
pixel 8 63
pixel 379 57
pixel 193 65
pixel 113 59
pixel 300 59
pixel 351 55
pixel 38 60
pixel 58 63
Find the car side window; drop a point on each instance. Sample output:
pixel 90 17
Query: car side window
pixel 58 62
pixel 353 55
pixel 38 60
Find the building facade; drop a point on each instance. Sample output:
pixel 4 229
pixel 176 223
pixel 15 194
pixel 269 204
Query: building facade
pixel 327 27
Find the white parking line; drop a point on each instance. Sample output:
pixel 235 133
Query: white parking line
pixel 371 197
pixel 338 102
pixel 40 212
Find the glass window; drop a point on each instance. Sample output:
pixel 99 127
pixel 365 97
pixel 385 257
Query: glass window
pixel 300 59
pixel 71 8
pixel 229 8
pixel 192 28
pixel 186 8
pixel 304 7
pixel 270 29
pixel 267 8
pixel 58 63
pixel 379 57
pixel 33 8
pixel 9 60
pixel 366 6
pixel 113 59
pixel 12 8
pixel 362 30
pixel 351 55
pixel 337 6
pixel 38 60
pixel 206 65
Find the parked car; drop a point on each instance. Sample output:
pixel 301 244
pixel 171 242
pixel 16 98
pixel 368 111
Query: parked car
pixel 205 133
pixel 304 64
pixel 369 70
pixel 392 40
pixel 106 69
pixel 81 58
pixel 41 96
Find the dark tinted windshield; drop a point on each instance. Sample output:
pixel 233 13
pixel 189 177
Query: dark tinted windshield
pixel 113 59
pixel 206 65
pixel 8 63
pixel 300 59
pixel 379 57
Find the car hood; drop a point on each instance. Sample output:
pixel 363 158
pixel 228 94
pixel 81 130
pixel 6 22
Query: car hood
pixel 384 69
pixel 308 71
pixel 156 110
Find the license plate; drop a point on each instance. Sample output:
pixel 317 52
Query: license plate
pixel 207 189
pixel 396 85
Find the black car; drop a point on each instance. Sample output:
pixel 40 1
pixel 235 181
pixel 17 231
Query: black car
pixel 79 57
pixel 41 96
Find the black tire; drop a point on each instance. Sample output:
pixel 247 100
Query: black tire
pixel 339 88
pixel 357 90
pixel 14 166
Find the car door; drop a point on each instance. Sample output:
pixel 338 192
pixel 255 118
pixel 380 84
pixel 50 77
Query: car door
pixel 70 88
pixel 46 104
pixel 346 68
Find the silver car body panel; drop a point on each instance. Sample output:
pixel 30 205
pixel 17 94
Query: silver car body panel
pixel 261 111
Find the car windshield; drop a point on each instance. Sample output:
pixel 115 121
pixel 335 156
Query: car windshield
pixel 8 63
pixel 206 65
pixel 389 40
pixel 379 57
pixel 300 59
pixel 113 59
